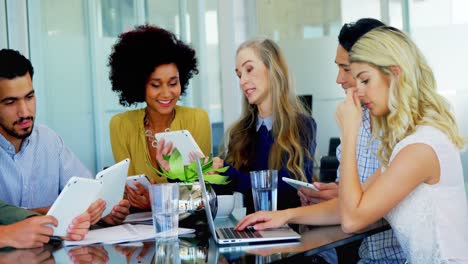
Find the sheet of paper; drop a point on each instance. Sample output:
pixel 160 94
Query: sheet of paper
pixel 121 234
pixel 139 217
pixel 107 235
pixel 147 231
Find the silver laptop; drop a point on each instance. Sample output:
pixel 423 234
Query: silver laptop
pixel 228 235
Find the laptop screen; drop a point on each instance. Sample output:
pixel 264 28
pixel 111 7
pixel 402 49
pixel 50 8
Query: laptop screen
pixel 209 216
pixel 231 237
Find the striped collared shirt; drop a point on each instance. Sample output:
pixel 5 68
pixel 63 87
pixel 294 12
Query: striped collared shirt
pixel 34 176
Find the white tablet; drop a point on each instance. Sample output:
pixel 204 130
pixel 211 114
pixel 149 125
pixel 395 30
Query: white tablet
pixel 113 184
pixel 183 141
pixel 75 198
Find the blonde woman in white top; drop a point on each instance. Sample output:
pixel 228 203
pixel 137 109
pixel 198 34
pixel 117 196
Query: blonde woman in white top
pixel 420 188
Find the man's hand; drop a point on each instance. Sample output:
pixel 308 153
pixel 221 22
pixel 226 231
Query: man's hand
pixel 79 227
pixel 118 213
pixel 29 233
pixel 326 192
pixel 95 210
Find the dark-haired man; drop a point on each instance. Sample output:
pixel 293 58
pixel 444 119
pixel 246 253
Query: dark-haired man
pixel 35 162
pixel 382 246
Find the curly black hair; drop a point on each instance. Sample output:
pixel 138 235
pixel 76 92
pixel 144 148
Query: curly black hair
pixel 138 52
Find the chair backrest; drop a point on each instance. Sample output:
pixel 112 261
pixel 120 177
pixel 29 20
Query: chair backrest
pixel 328 168
pixel 334 142
pixel 329 164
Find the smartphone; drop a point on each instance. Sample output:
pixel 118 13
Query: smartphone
pixel 297 184
pixel 142 179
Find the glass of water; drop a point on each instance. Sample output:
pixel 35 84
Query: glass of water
pixel 165 208
pixel 264 189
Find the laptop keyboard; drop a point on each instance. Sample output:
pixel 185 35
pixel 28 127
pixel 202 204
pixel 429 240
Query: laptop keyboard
pixel 232 233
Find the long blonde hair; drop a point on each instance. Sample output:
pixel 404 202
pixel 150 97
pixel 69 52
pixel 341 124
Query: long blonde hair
pixel 413 98
pixel 289 119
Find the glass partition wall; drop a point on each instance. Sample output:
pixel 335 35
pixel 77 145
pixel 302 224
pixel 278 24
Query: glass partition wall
pixel 70 43
pixel 307 31
pixel 440 29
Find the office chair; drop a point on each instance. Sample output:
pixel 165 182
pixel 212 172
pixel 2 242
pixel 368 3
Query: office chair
pixel 329 164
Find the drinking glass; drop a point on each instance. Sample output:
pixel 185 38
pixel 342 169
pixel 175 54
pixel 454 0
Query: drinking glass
pixel 264 189
pixel 165 208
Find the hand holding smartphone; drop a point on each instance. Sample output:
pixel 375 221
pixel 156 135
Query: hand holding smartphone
pixel 142 179
pixel 298 184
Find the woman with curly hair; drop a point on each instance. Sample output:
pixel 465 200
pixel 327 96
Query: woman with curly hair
pixel 274 130
pixel 150 65
pixel 419 188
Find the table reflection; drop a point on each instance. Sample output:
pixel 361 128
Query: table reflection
pixel 315 246
pixel 167 251
pixel 23 256
pixel 158 251
pixel 88 254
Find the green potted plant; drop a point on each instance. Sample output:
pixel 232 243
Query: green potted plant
pixel 190 200
pixel 188 173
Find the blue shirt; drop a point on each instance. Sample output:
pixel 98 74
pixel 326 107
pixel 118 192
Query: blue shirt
pixel 34 177
pixel 267 122
pixel 384 245
pixel 262 146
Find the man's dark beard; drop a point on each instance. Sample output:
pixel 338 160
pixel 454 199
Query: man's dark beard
pixel 13 133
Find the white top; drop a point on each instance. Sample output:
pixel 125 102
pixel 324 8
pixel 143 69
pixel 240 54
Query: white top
pixel 431 223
